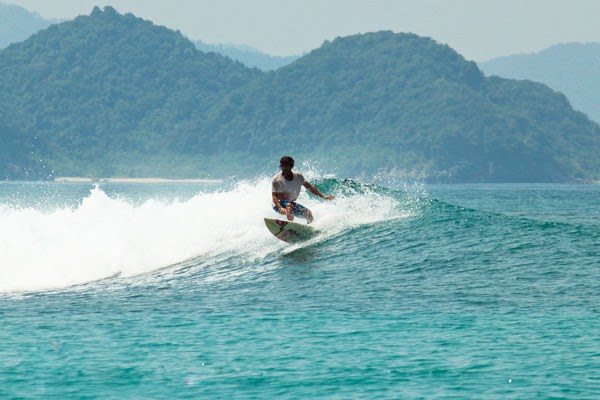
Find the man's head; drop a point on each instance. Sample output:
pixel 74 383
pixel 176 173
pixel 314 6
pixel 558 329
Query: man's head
pixel 286 161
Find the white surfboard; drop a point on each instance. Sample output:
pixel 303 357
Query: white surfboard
pixel 288 231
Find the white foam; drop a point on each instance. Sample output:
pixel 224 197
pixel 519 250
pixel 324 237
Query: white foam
pixel 106 236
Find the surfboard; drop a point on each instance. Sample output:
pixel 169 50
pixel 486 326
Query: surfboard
pixel 288 231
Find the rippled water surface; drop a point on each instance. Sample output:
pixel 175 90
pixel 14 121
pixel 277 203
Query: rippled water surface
pixel 179 291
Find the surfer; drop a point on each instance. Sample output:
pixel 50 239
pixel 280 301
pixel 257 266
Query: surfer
pixel 285 190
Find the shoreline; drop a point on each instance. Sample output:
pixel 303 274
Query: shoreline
pixel 132 180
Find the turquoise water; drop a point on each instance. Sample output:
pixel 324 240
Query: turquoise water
pixel 178 291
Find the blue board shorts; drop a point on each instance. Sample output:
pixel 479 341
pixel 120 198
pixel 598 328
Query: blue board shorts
pixel 297 209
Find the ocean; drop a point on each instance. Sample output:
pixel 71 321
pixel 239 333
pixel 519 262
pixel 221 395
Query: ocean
pixel 409 291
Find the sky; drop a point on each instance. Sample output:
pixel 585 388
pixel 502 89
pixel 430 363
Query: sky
pixel 478 29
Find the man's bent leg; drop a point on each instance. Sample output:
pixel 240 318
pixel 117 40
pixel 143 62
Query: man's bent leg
pixel 290 212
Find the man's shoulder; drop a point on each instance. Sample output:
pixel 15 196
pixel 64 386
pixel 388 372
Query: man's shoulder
pixel 276 177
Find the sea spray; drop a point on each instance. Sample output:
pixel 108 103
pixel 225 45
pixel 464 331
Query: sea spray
pixel 106 235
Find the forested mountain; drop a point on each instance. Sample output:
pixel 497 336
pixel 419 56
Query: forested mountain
pixel 110 94
pixel 571 68
pixel 401 100
pixel 247 55
pixel 104 89
pixel 17 24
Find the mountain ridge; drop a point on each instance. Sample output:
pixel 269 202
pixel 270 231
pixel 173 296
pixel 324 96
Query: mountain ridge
pixel 17 24
pixel 109 94
pixel 248 56
pixel 571 68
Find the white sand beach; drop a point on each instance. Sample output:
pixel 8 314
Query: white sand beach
pixel 133 180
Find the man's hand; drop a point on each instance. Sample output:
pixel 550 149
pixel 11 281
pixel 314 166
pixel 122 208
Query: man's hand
pixel 288 211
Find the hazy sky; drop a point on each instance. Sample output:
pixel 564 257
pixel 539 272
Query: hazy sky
pixel 478 29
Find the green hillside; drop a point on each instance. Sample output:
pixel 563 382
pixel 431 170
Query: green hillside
pixel 106 91
pixel 17 159
pixel 571 68
pixel 111 94
pixel 403 101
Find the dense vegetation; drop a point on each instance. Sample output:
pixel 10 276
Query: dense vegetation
pixel 17 161
pixel 407 102
pixel 108 89
pixel 571 68
pixel 111 94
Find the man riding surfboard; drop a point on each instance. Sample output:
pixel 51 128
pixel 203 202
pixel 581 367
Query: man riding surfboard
pixel 285 189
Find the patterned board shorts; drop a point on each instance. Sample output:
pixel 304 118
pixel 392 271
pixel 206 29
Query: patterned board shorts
pixel 297 209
